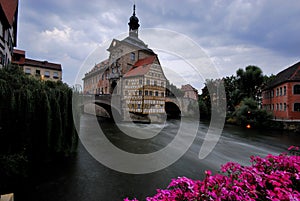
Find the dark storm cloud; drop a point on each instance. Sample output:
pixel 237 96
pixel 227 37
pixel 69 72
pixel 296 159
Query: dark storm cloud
pixel 234 33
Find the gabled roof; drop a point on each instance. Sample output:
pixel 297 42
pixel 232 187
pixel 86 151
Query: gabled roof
pixel 9 8
pixel 141 67
pixel 100 67
pixel 291 73
pixel 135 42
pixel 188 87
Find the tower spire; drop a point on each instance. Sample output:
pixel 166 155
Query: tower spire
pixel 133 24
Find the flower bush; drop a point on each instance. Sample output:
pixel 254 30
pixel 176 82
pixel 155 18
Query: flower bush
pixel 270 178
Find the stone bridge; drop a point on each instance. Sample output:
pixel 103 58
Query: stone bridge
pixel 112 104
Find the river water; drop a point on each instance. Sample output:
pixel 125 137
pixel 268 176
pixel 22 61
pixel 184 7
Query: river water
pixel 83 178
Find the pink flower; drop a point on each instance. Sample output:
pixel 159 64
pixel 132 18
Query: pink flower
pixel 269 178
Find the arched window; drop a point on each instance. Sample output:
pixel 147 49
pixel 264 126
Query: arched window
pixel 297 89
pixel 296 107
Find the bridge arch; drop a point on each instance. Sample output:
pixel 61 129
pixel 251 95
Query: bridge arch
pixel 172 109
pixel 113 112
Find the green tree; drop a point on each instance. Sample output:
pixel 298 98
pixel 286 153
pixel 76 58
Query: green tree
pixel 204 103
pixel 250 82
pixel 248 113
pixel 36 122
pixel 232 93
pixel 173 91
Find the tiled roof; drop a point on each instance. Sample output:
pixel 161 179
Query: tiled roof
pixel 188 87
pixel 141 67
pixel 291 73
pixel 9 8
pixel 17 51
pixel 42 64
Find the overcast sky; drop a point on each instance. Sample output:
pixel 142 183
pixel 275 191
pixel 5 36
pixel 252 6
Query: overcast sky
pixel 233 34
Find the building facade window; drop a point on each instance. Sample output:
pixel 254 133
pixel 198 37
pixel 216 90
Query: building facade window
pixel 284 90
pixel 148 82
pixel 140 81
pixel 162 94
pixel 155 83
pixel 277 92
pixel 280 91
pixel 140 92
pixel 150 93
pixel 296 89
pixel 27 71
pixel 37 72
pixel 47 74
pixel 132 56
pixel 296 107
pixel 156 93
pixel 284 106
pixel 55 75
pixel 146 93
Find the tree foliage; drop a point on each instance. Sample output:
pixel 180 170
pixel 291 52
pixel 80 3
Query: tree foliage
pixel 173 91
pixel 248 113
pixel 243 93
pixel 36 121
pixel 250 81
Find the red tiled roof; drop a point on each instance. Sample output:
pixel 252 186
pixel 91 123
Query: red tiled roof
pixel 17 51
pixel 42 64
pixel 9 8
pixel 141 67
pixel 291 73
pixel 145 61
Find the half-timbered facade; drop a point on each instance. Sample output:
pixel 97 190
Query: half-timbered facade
pixel 144 87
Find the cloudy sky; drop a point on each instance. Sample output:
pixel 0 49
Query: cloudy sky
pixel 233 34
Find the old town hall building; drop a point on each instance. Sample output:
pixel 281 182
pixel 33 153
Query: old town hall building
pixel 132 71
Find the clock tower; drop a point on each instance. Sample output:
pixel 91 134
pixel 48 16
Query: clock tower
pixel 133 24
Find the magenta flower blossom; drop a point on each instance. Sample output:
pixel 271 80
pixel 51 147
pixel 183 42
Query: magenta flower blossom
pixel 272 178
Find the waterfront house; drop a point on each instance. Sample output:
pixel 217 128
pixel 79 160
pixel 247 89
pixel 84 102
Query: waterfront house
pixel 189 92
pixel 43 70
pixel 282 95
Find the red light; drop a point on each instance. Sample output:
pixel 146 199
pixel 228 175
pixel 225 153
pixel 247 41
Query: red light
pixel 248 126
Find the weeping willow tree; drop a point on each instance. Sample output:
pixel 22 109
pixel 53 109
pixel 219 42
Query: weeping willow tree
pixel 36 122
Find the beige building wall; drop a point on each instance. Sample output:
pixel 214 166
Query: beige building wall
pixel 42 73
